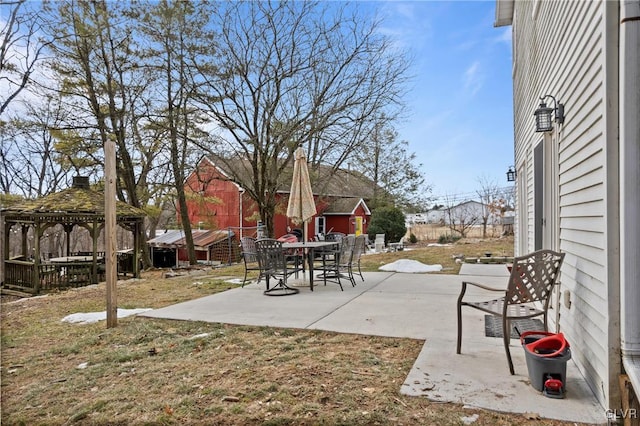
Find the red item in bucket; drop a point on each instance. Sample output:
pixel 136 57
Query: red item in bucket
pixel 550 346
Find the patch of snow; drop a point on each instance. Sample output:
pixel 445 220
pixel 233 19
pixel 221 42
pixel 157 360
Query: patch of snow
pixel 467 420
pixel 438 245
pixel 199 336
pixel 410 267
pixel 234 281
pixel 82 366
pixel 27 299
pixel 90 317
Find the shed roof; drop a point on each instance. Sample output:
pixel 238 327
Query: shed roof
pixel 343 206
pixel 202 238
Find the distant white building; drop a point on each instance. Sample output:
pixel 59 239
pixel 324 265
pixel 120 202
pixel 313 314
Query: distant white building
pixel 470 212
pixel 435 216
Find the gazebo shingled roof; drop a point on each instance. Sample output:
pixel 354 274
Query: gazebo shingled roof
pixel 78 205
pixel 79 200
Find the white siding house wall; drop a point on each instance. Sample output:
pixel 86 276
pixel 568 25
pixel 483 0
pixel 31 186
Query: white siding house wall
pixel 560 50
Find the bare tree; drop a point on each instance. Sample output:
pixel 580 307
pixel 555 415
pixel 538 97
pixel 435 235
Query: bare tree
pixel 504 202
pixel 488 194
pixel 461 217
pixel 297 73
pixel 508 194
pixel 27 153
pixel 393 170
pixel 23 46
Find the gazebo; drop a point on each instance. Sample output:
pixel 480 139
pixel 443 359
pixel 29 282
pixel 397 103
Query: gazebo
pixel 75 206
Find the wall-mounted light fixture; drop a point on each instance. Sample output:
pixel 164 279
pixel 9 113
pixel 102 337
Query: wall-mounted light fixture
pixel 544 119
pixel 511 174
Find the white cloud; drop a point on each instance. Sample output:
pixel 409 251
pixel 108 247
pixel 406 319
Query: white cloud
pixel 473 78
pixel 505 36
pixel 406 23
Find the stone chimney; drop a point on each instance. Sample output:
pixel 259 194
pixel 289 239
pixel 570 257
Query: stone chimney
pixel 81 182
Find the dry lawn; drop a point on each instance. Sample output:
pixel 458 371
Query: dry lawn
pixel 443 255
pixel 148 371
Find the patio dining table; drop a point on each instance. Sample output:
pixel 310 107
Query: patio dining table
pixel 309 247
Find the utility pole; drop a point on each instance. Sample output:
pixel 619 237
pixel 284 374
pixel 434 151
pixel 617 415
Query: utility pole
pixel 110 231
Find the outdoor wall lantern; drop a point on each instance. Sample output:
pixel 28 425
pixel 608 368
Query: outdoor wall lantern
pixel 544 119
pixel 511 174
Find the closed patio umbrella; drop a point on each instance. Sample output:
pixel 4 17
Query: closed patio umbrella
pixel 301 205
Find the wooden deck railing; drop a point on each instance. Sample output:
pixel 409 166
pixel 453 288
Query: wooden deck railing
pixel 20 275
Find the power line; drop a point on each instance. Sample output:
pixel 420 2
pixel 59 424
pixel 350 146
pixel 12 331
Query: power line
pixel 463 196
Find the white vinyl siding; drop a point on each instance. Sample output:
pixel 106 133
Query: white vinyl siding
pixel 559 50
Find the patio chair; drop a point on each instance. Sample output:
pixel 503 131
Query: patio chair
pixel 334 236
pixel 371 244
pixel 250 257
pixel 273 264
pixel 336 261
pixel 329 251
pixel 359 247
pixel 532 279
pixel 397 246
pixel 345 260
pixel 379 243
pixel 293 255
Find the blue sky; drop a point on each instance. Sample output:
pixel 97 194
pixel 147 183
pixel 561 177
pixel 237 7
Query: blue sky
pixel 460 105
pixel 460 112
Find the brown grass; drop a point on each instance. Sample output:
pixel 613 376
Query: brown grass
pixel 443 255
pixel 149 371
pixel 432 232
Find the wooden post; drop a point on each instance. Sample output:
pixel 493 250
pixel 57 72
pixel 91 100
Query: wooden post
pixel 110 231
pixel 629 402
pixel 4 246
pixel 37 231
pixel 93 276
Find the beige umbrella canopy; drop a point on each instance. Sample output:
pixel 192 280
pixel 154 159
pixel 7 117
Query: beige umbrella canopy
pixel 302 206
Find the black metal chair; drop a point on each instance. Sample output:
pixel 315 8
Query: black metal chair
pixel 336 260
pixel 250 257
pixel 273 263
pixel 532 280
pixel 345 262
pixel 359 247
pixel 293 255
pixel 328 251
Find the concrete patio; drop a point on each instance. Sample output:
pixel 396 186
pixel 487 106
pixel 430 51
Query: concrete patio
pixel 417 306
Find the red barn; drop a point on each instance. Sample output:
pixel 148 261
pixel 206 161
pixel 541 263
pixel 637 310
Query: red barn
pixel 215 201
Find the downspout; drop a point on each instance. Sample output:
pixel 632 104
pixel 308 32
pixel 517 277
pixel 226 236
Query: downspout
pixel 629 188
pixel 241 195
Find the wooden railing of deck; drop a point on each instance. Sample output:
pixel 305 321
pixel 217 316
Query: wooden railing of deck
pixel 20 275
